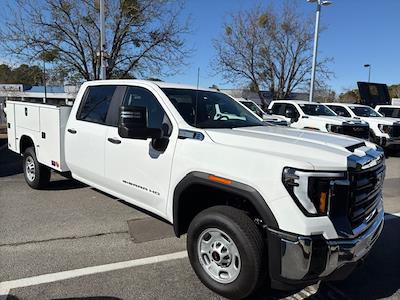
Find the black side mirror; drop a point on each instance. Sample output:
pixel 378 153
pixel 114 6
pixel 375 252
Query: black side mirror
pixel 269 111
pixel 289 113
pixel 133 122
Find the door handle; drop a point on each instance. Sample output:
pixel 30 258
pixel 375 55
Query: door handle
pixel 73 131
pixel 114 141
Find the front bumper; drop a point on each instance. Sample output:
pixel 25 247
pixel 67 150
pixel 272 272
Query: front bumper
pixel 387 142
pixel 301 260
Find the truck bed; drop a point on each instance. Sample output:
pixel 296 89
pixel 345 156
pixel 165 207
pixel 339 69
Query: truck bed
pixel 45 125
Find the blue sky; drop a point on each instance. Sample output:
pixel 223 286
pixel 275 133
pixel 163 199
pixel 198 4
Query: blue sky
pixel 358 32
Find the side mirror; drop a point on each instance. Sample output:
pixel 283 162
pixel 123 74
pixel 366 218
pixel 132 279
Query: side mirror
pixel 269 111
pixel 289 113
pixel 133 122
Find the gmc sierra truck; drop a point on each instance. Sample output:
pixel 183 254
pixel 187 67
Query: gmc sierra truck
pixel 384 131
pixel 317 116
pixel 261 205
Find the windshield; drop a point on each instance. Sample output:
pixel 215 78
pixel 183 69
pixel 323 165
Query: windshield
pixel 364 111
pixel 211 110
pixel 253 107
pixel 317 110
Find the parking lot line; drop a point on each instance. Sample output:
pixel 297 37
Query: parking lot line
pixel 6 286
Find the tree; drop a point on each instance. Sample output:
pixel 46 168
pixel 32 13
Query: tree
pixel 350 96
pixel 271 51
pixel 24 74
pixel 145 37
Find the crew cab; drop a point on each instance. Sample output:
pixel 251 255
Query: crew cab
pixel 384 131
pixel 316 116
pixel 389 111
pixel 257 110
pixel 260 204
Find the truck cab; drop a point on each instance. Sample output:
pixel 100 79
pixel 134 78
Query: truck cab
pixel 260 204
pixel 389 111
pixel 317 116
pixel 384 131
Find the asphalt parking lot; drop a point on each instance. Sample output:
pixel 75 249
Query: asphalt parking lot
pixel 72 242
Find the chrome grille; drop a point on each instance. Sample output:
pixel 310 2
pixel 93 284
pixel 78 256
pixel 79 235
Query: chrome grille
pixel 365 193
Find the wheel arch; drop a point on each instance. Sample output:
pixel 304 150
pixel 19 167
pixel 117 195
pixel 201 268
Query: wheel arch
pixel 25 142
pixel 198 184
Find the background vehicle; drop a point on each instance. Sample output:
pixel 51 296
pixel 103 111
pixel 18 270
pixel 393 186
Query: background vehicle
pixel 258 203
pixel 383 131
pixel 273 119
pixel 389 111
pixel 316 116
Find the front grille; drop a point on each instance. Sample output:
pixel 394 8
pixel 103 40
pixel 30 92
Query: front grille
pixel 395 131
pixel 365 193
pixel 359 131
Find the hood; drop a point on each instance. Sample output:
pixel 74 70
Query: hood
pixel 321 150
pixel 337 120
pixel 380 120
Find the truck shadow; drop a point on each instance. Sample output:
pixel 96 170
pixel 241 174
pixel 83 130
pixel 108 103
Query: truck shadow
pixel 12 297
pixel 64 184
pixel 378 277
pixel 10 163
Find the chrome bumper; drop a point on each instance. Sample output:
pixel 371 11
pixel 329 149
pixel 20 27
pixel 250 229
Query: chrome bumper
pixel 306 258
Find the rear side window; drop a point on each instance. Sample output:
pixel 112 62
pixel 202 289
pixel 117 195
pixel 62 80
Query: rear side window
pixel 157 118
pixel 95 104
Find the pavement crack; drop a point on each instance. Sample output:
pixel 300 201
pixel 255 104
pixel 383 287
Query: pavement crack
pixel 62 238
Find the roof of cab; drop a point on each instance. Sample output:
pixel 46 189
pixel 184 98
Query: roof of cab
pixel 160 84
pixel 347 104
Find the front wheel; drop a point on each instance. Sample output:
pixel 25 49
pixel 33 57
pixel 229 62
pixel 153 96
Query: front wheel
pixel 226 251
pixel 37 176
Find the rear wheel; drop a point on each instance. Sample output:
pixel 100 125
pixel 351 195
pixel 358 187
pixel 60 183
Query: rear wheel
pixel 36 175
pixel 226 250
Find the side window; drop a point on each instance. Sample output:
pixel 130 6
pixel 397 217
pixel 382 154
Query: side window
pixel 276 109
pixel 157 118
pixel 341 111
pixel 95 104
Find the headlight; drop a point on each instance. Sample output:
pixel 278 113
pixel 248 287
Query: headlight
pixel 312 191
pixel 334 128
pixel 385 128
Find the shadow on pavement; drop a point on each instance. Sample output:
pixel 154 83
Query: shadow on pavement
pixel 379 276
pixel 10 162
pixel 11 297
pixel 64 184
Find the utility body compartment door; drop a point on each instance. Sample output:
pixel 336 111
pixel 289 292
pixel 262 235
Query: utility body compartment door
pixel 11 127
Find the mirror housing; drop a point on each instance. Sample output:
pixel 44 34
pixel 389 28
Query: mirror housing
pixel 289 113
pixel 133 122
pixel 269 111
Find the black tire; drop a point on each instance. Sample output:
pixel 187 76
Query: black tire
pixel 41 174
pixel 248 240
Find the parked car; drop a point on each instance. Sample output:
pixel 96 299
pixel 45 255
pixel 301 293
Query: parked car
pixel 260 204
pixel 389 111
pixel 383 131
pixel 256 109
pixel 317 116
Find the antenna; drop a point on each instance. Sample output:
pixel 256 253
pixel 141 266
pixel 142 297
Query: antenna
pixel 197 95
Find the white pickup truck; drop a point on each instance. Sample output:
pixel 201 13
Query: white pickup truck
pixel 317 116
pixel 384 131
pixel 254 108
pixel 261 205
